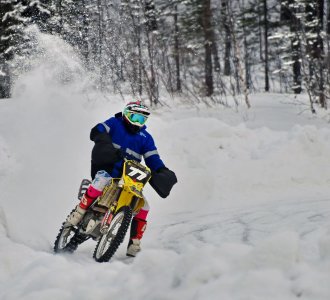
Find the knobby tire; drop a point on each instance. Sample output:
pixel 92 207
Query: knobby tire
pixel 72 244
pixel 118 238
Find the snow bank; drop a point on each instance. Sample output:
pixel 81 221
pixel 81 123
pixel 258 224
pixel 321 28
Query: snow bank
pixel 226 166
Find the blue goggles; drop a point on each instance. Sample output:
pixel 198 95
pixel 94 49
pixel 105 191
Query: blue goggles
pixel 136 118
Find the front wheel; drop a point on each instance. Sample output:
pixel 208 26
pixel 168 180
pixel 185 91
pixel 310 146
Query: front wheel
pixel 109 242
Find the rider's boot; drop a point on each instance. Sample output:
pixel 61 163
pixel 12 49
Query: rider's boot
pixel 138 227
pixel 87 199
pixel 75 217
pixel 95 189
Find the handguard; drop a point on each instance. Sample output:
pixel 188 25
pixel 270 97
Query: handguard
pixel 163 181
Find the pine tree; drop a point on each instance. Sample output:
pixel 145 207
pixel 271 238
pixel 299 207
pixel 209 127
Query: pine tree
pixel 12 40
pixel 199 37
pixel 306 26
pixel 14 17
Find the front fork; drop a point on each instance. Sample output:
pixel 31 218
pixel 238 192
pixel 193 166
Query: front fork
pixel 106 221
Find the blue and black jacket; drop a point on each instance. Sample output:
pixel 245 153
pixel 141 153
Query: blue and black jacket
pixel 114 139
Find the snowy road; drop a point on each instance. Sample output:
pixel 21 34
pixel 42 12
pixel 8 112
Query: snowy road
pixel 251 225
pixel 242 254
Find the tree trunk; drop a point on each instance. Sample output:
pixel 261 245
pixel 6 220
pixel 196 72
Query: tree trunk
pixel 177 50
pixel 320 57
pixel 100 43
pixel 217 67
pixel 328 18
pixel 246 54
pixel 225 24
pixel 246 61
pixel 296 52
pixel 295 45
pixel 266 46
pixel 140 84
pixel 314 26
pixel 152 80
pixel 207 28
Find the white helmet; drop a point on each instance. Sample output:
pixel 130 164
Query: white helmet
pixel 136 113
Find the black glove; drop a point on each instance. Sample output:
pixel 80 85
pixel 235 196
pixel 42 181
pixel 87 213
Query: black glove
pixel 119 154
pixel 162 181
pixel 104 153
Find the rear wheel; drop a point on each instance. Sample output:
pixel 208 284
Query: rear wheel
pixel 68 239
pixel 63 239
pixel 109 242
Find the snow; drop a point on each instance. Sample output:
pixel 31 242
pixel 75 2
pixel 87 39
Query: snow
pixel 248 219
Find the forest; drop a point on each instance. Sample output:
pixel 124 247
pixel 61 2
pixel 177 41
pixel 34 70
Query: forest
pixel 201 50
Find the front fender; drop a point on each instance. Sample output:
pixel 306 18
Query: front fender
pixel 125 199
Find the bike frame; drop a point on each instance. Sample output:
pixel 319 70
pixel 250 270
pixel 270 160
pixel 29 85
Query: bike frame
pixel 126 191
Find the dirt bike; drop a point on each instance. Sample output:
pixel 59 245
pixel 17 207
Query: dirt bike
pixel 109 217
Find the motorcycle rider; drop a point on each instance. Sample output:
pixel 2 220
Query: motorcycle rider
pixel 124 135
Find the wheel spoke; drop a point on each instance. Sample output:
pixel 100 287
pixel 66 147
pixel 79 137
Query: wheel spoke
pixel 106 242
pixel 65 236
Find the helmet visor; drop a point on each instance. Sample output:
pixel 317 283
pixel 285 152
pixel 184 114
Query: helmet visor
pixel 136 118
